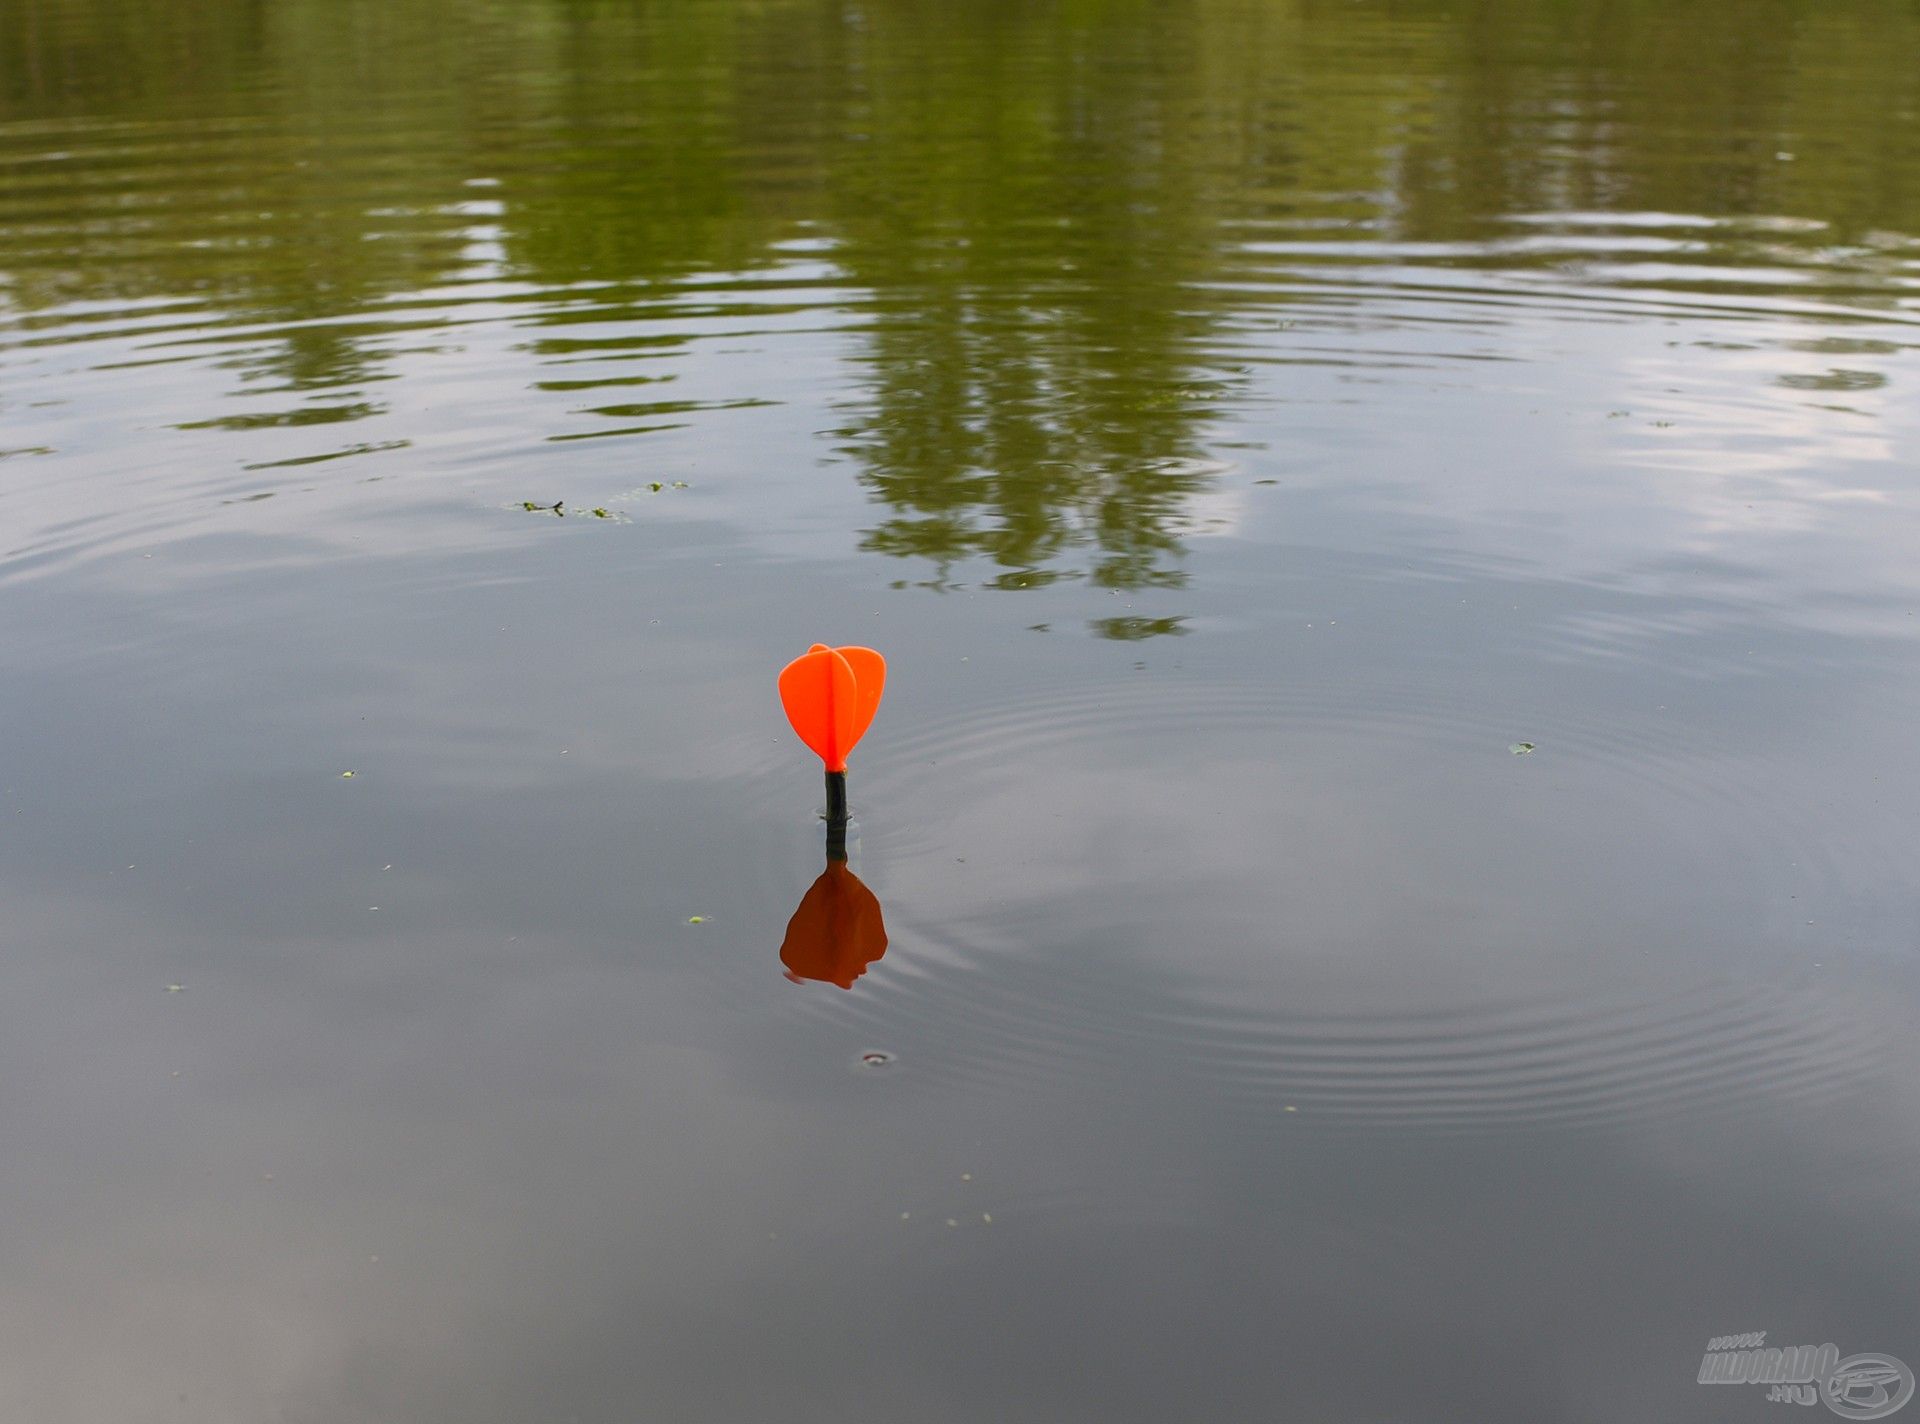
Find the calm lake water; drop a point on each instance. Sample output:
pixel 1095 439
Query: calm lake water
pixel 1246 426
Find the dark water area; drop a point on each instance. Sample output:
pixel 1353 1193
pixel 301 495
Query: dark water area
pixel 1246 426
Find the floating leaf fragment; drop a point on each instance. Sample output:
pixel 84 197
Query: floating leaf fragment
pixel 1520 748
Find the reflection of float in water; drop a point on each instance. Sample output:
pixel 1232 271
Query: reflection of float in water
pixel 837 931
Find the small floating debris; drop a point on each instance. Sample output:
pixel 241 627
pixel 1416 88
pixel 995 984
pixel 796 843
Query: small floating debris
pixel 1520 748
pixel 348 775
pixel 696 919
pixel 558 509
pixel 876 1058
pixel 175 988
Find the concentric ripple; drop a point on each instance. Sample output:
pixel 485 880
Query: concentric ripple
pixel 1682 1050
pixel 1020 966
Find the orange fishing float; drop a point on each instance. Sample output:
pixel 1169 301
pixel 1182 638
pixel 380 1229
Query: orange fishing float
pixel 830 696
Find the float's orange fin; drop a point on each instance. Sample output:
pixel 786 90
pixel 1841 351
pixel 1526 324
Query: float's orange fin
pixel 830 695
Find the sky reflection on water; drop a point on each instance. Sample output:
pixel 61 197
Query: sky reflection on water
pixel 1238 424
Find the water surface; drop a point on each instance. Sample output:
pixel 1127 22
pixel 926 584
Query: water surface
pixel 1245 425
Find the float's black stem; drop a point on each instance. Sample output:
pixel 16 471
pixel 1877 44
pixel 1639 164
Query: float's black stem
pixel 836 815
